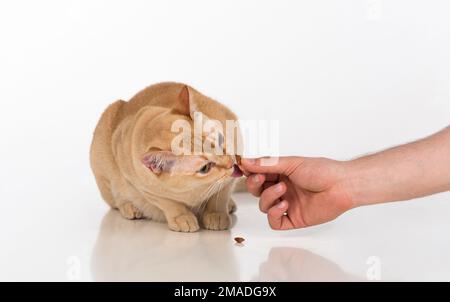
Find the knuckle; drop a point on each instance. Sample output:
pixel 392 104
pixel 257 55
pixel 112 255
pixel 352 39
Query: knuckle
pixel 266 194
pixel 255 192
pixel 262 207
pixel 272 225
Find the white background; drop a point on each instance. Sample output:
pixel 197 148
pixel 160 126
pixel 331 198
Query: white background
pixel 343 78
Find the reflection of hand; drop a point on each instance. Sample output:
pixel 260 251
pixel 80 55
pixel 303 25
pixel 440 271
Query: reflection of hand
pixel 310 191
pixel 294 264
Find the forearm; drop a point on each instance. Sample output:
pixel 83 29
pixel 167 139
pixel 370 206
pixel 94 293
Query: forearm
pixel 405 172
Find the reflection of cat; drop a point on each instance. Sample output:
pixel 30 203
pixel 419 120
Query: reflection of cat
pixel 145 251
pixel 137 172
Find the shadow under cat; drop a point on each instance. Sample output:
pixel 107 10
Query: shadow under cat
pixel 142 250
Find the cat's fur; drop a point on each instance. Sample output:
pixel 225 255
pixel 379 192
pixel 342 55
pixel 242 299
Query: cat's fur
pixel 138 174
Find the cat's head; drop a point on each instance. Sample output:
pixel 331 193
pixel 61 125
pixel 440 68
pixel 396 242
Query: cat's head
pixel 193 148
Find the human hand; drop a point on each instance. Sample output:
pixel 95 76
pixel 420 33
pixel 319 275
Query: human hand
pixel 298 192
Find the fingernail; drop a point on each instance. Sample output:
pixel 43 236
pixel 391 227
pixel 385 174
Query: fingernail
pixel 279 187
pixel 250 161
pixel 281 205
pixel 255 178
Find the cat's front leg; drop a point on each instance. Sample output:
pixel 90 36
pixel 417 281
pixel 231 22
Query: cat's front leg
pixel 216 214
pixel 129 211
pixel 178 216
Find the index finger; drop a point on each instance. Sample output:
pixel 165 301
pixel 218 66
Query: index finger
pixel 271 165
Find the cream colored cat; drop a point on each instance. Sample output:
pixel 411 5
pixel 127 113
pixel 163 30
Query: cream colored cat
pixel 138 173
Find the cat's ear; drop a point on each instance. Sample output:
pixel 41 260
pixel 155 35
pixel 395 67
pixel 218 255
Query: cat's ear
pixel 159 161
pixel 187 104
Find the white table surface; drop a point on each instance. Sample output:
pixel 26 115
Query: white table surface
pixel 393 242
pixel 342 78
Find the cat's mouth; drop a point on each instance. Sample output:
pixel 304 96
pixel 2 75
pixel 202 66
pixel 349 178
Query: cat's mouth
pixel 236 171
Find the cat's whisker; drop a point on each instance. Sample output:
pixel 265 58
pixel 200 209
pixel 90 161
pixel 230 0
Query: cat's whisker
pixel 209 192
pixel 205 195
pixel 217 196
pixel 212 188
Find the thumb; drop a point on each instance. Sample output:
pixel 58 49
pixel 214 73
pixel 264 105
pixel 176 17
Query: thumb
pixel 276 165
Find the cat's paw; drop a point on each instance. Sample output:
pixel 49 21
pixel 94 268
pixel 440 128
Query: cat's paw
pixel 129 211
pixel 216 221
pixel 186 223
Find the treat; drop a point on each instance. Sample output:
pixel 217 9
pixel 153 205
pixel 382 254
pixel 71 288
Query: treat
pixel 239 239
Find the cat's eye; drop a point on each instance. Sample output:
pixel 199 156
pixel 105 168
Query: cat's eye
pixel 205 168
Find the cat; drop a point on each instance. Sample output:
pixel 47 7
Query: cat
pixel 138 172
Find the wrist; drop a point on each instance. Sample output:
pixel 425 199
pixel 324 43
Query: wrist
pixel 359 183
